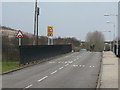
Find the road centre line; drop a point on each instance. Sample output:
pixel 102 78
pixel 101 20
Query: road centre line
pixel 29 86
pixel 61 68
pixel 66 64
pixel 42 78
pixel 83 65
pixel 54 72
pixel 80 65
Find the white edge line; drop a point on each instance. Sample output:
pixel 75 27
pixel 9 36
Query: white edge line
pixel 61 68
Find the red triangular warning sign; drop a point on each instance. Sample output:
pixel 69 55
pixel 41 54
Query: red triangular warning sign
pixel 19 34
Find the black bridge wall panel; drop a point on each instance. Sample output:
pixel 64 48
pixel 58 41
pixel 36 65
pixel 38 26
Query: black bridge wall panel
pixel 119 51
pixel 115 49
pixel 30 53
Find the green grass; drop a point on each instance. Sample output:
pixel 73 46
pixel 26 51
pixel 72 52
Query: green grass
pixel 0 67
pixel 6 66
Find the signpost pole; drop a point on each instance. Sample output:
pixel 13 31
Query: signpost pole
pixel 48 41
pixel 19 36
pixel 52 41
pixel 19 41
pixel 50 35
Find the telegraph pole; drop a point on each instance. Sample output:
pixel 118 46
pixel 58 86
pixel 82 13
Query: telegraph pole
pixel 37 25
pixel 35 42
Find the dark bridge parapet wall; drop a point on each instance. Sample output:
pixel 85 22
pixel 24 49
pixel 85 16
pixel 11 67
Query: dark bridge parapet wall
pixel 119 51
pixel 30 53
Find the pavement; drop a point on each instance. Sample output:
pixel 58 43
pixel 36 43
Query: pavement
pixel 75 70
pixel 109 70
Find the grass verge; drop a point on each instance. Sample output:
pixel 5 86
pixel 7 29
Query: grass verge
pixel 7 66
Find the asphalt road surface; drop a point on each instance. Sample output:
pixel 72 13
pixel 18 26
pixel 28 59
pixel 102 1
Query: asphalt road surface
pixel 74 70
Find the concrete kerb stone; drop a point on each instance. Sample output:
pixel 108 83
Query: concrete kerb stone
pixel 100 73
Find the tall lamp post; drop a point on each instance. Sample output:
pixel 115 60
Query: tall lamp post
pixel 106 14
pixel 113 33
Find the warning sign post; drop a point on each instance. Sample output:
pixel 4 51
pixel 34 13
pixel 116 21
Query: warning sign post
pixel 19 36
pixel 50 35
pixel 50 31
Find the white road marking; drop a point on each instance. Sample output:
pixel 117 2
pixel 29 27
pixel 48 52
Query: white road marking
pixel 66 64
pixel 61 68
pixel 51 62
pixel 29 86
pixel 83 65
pixel 70 61
pixel 54 72
pixel 75 65
pixel 92 66
pixel 42 78
pixel 75 60
pixel 80 65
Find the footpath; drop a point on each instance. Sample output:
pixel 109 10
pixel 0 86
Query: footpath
pixel 109 71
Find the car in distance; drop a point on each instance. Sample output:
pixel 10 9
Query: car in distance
pixel 83 50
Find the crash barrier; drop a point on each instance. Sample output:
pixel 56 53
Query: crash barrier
pixel 30 53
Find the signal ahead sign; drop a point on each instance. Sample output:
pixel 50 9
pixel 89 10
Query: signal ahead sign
pixel 50 31
pixel 19 34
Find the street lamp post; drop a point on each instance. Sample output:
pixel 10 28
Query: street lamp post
pixel 106 14
pixel 113 33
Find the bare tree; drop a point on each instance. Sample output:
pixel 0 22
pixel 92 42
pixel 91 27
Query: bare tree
pixel 95 41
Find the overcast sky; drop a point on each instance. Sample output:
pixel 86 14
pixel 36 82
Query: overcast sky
pixel 70 19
